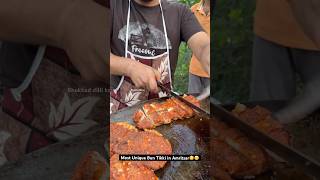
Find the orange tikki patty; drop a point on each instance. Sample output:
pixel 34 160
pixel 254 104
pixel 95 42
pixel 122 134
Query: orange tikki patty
pixel 146 142
pixel 127 170
pixel 155 114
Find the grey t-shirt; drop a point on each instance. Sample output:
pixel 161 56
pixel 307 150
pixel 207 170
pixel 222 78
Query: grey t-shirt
pixel 146 32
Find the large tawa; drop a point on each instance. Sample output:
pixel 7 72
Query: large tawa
pixel 187 137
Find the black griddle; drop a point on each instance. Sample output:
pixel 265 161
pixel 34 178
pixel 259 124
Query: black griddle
pixel 192 136
pixel 188 137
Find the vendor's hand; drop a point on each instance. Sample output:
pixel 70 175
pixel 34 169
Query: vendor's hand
pixel 204 94
pixel 303 105
pixel 143 76
pixel 85 38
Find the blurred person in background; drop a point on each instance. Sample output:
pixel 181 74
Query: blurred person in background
pixel 198 78
pixel 286 44
pixel 49 47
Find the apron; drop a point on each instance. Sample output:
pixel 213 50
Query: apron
pixel 127 94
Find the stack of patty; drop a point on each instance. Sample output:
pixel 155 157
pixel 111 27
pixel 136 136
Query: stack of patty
pixel 126 139
pixel 156 114
pixel 234 155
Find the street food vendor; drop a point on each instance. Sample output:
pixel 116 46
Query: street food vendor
pixel 286 44
pixel 145 39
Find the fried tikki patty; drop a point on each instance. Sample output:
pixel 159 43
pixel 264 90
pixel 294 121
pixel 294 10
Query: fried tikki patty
pixel 128 170
pixel 91 166
pixel 119 132
pixel 149 142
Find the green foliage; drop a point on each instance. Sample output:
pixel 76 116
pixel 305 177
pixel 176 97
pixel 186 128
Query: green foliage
pixel 189 2
pixel 232 48
pixel 182 70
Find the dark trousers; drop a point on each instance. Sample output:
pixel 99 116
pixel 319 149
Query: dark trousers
pixel 197 84
pixel 274 72
pixel 275 67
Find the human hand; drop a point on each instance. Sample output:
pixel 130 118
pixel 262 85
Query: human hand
pixel 204 94
pixel 302 105
pixel 143 76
